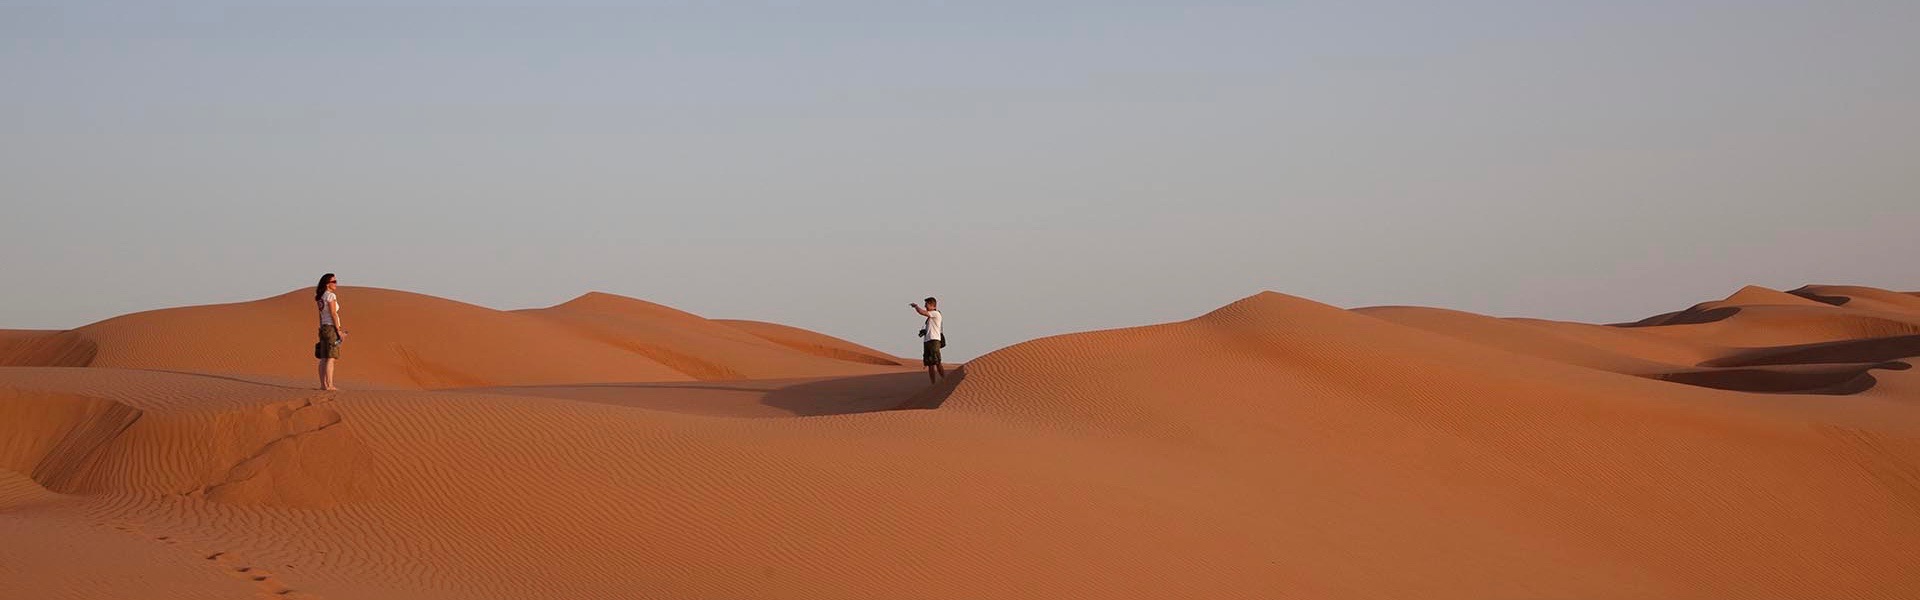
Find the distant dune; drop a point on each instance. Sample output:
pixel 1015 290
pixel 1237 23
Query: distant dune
pixel 1762 446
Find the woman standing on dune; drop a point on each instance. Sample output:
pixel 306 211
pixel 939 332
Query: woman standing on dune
pixel 328 350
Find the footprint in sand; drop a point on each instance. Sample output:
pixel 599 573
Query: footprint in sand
pixel 268 584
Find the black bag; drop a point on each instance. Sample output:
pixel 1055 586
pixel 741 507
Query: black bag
pixel 319 349
pixel 943 340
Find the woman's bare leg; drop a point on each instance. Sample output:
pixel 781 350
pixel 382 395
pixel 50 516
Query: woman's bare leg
pixel 327 379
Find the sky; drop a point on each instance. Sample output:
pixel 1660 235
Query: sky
pixel 1042 168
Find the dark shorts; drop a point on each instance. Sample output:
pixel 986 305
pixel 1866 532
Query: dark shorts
pixel 329 346
pixel 930 352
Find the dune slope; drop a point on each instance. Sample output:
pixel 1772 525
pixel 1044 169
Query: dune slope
pixel 701 348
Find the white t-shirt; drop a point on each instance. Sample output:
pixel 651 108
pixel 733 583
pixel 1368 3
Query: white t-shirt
pixel 933 326
pixel 326 316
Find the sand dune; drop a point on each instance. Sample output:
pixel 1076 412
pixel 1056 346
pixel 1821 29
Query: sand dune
pixel 1273 448
pixel 1691 352
pixel 414 341
pixel 1751 318
pixel 1623 353
pixel 817 344
pixel 1748 296
pixel 701 348
pixel 1861 297
pixel 1754 295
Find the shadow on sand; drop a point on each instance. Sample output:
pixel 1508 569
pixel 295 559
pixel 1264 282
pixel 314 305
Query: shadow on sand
pixel 1803 292
pixel 866 393
pixel 1691 316
pixel 1833 368
pixel 1826 380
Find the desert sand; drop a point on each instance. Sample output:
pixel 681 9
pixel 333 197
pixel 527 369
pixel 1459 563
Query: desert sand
pixel 1762 446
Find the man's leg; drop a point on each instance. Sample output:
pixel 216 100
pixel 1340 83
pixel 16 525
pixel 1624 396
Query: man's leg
pixel 943 370
pixel 929 356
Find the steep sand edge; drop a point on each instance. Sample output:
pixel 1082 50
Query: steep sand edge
pixel 20 347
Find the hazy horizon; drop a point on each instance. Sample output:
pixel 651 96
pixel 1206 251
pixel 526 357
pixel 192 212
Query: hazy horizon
pixel 1040 169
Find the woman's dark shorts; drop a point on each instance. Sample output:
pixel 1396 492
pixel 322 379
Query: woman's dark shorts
pixel 329 346
pixel 930 352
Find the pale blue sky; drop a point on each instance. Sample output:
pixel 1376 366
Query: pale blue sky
pixel 1042 168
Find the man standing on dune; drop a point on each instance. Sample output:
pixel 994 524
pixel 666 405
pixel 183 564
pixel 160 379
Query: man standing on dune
pixel 931 340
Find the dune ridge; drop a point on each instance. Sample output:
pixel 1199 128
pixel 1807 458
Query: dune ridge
pixel 1272 448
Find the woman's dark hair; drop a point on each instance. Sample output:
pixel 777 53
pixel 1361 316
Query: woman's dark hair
pixel 321 290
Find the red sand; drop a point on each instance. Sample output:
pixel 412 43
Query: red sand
pixel 1765 446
